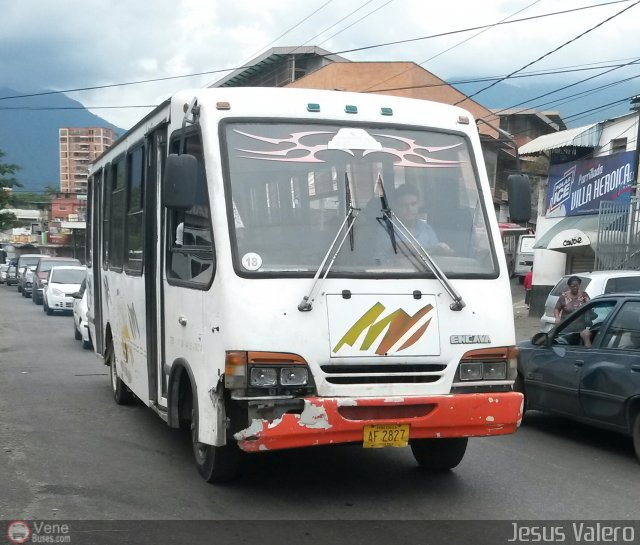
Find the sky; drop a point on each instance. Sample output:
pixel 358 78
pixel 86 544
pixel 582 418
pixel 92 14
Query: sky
pixel 68 44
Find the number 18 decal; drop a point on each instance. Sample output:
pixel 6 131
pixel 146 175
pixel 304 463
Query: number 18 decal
pixel 251 261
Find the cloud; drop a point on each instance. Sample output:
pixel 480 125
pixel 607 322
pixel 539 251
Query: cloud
pixel 72 43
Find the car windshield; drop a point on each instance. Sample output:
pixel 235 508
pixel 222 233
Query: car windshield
pixel 67 276
pixel 30 261
pixel 562 286
pixel 289 187
pixel 47 264
pixel 622 284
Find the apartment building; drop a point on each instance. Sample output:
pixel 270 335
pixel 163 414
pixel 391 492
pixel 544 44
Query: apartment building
pixel 78 147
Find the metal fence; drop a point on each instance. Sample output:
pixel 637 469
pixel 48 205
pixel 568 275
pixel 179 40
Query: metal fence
pixel 618 245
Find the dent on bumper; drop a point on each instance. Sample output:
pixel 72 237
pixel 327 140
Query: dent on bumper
pixel 325 421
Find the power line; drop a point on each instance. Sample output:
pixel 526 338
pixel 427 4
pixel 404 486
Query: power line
pixel 486 29
pixel 559 101
pixel 283 34
pixel 374 46
pixel 287 31
pixel 362 6
pixel 552 51
pixel 635 61
pixel 356 22
pixel 582 94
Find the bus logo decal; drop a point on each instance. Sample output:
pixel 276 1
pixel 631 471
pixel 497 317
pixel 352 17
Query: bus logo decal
pixel 409 153
pixel 403 330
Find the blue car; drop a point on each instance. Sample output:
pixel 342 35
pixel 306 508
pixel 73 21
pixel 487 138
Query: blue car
pixel 588 367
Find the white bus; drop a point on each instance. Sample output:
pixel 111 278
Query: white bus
pixel 260 276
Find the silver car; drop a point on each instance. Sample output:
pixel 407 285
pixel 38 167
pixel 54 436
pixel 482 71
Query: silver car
pixel 593 283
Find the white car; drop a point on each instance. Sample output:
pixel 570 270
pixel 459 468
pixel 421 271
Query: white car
pixel 80 325
pixel 593 283
pixel 64 281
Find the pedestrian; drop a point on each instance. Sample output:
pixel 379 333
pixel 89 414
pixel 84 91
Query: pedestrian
pixel 528 284
pixel 571 300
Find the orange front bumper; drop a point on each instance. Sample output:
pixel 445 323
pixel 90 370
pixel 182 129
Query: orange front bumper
pixel 325 421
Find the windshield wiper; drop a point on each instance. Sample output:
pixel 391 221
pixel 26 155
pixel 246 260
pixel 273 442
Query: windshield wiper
pixel 385 220
pixel 351 214
pixel 390 219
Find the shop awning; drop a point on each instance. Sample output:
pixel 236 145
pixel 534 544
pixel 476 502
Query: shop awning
pixel 587 136
pixel 573 234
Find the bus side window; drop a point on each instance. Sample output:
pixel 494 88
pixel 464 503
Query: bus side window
pixel 191 256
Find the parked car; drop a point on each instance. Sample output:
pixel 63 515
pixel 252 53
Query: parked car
pixel 41 274
pixel 11 275
pixel 80 324
pixel 597 384
pixel 3 273
pixel 594 284
pixel 25 261
pixel 64 281
pixel 26 281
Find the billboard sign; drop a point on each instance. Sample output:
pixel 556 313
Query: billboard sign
pixel 579 187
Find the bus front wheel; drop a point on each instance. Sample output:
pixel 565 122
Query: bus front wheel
pixel 215 464
pixel 121 394
pixel 439 454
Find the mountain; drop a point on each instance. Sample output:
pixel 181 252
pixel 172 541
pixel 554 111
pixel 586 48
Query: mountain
pixel 29 136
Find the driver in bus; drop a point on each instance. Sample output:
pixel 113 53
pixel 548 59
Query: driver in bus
pixel 407 208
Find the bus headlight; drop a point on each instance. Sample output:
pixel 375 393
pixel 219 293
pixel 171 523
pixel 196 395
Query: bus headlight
pixel 280 373
pixel 262 377
pixel 494 371
pixel 485 364
pixel 294 376
pixel 470 371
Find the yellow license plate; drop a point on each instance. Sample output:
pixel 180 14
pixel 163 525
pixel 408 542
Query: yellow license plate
pixel 386 435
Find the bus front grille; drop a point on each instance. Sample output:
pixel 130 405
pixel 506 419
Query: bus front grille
pixel 383 373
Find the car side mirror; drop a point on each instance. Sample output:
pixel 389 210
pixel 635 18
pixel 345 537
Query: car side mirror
pixel 540 339
pixel 76 295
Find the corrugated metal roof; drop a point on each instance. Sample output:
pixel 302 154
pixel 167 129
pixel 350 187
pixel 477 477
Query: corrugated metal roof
pixel 587 136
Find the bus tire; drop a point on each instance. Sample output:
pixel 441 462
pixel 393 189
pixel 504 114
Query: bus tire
pixel 215 464
pixel 635 434
pixel 121 394
pixel 439 454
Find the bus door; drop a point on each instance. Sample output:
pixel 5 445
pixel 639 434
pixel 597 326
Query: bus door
pixel 187 271
pixel 156 144
pixel 97 236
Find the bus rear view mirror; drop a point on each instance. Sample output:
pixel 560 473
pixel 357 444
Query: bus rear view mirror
pixel 180 179
pixel 519 191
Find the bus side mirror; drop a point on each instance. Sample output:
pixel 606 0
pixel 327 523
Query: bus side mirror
pixel 180 179
pixel 519 191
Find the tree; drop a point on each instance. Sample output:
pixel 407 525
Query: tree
pixel 7 181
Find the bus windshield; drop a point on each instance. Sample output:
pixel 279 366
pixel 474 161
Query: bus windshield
pixel 289 187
